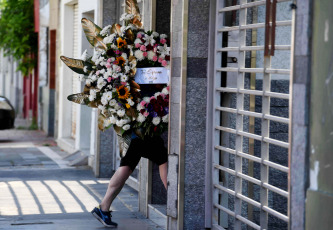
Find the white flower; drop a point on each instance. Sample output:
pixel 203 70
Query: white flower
pixel 108 95
pixel 119 123
pixel 96 55
pixel 126 17
pixel 104 101
pixel 113 46
pixel 85 69
pixel 155 34
pixel 107 122
pixel 137 41
pixel 156 120
pixel 124 55
pixel 112 110
pixel 127 69
pixel 151 54
pixel 113 120
pixel 113 102
pixel 139 107
pixel 88 82
pixel 163 36
pixel 130 102
pixel 141 118
pixel 123 78
pixel 163 50
pixel 109 39
pixel 115 75
pixel 93 77
pixel 146 99
pixel 116 106
pixel 139 55
pixel 126 127
pixel 165 91
pixel 84 56
pixel 102 71
pixel 101 107
pixel 121 112
pixel 105 30
pixel 165 118
pixel 149 40
pixel 100 83
pixel 157 94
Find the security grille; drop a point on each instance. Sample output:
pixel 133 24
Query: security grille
pixel 251 97
pixel 74 75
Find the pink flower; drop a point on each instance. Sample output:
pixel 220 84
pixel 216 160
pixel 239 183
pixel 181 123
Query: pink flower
pixel 142 103
pixel 145 54
pixel 164 63
pixel 155 58
pixel 143 48
pixel 163 95
pixel 145 114
pixel 97 72
pixel 160 60
pixel 152 98
pixel 108 65
pixel 109 79
pixel 168 88
pixel 139 35
pixel 118 68
pixel 117 52
pixel 163 40
pixel 137 45
pixel 109 60
pixel 123 83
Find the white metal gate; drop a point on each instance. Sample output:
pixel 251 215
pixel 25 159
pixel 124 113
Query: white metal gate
pixel 242 186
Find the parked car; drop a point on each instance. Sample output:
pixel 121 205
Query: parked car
pixel 7 114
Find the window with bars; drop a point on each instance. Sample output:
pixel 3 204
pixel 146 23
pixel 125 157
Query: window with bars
pixel 251 98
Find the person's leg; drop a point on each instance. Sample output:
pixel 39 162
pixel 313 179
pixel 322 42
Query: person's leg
pixel 163 173
pixel 117 182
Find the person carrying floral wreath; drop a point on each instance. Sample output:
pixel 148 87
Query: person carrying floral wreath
pixel 138 113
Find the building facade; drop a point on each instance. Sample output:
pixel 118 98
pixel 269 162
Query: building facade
pixel 250 110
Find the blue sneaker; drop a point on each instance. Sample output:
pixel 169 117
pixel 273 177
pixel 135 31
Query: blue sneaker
pixel 103 217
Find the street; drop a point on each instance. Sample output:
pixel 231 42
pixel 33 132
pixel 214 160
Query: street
pixel 39 191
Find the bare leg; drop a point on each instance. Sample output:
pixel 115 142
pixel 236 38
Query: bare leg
pixel 163 173
pixel 116 183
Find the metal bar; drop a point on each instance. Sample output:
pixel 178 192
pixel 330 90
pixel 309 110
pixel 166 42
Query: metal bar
pixel 246 5
pixel 252 26
pixel 275 189
pixel 254 70
pixel 225 149
pixel 267 27
pixel 276 166
pixel 276 142
pixel 216 114
pixel 238 217
pixel 254 158
pixel 252 48
pixel 275 213
pixel 273 27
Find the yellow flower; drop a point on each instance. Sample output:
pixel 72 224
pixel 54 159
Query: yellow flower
pixel 128 106
pixel 121 42
pixel 123 92
pixel 119 61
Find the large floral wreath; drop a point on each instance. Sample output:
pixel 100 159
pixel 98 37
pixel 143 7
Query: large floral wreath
pixel 109 75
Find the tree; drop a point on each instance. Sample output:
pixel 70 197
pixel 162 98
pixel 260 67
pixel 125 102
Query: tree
pixel 17 36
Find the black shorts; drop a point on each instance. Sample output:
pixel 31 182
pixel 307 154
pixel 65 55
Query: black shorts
pixel 151 148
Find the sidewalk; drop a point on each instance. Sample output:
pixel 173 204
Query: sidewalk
pixel 39 191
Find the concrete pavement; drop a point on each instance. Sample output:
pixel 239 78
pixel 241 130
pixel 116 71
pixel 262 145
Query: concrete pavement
pixel 39 191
